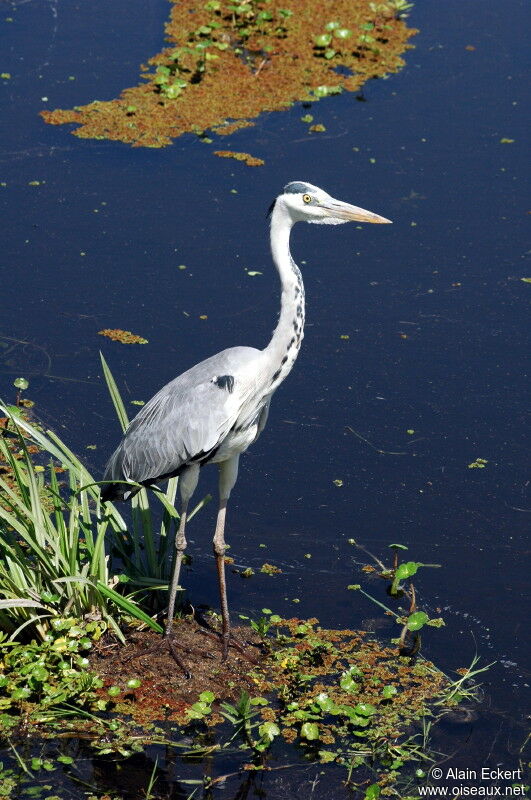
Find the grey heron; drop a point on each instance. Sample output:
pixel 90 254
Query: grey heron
pixel 214 411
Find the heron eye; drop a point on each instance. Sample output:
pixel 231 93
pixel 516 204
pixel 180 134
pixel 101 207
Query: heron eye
pixel 307 198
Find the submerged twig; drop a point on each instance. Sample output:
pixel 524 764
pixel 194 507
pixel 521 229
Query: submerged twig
pixel 376 449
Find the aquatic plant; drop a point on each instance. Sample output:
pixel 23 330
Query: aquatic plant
pixel 53 530
pixel 125 337
pixel 38 677
pixel 413 620
pixel 228 61
pixel 52 535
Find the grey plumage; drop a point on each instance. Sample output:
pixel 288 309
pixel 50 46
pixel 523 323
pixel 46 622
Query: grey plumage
pixel 298 187
pixel 185 422
pixel 214 411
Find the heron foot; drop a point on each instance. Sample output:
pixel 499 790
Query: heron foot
pixel 166 643
pixel 228 641
pixel 172 643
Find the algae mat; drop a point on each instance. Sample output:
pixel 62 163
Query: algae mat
pixel 227 62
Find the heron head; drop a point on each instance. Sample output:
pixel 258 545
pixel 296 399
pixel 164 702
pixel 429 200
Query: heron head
pixel 307 203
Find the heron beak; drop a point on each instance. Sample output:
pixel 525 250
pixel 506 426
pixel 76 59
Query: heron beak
pixel 352 213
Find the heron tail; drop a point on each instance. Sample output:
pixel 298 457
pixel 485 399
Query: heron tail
pixel 114 472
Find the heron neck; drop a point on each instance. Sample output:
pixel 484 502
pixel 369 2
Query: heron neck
pixel 284 346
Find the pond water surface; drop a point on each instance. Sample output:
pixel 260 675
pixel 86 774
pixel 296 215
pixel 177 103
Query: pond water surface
pixel 433 306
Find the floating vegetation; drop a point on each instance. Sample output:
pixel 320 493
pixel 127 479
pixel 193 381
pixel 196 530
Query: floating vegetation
pixel 479 463
pixel 248 159
pixel 125 337
pixel 336 696
pixel 227 62
pixel 270 569
pixel 231 127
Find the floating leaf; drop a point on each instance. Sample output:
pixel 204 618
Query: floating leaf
pixel 389 691
pixel 268 730
pixel 198 710
pixel 259 701
pixel 310 731
pixel 406 570
pixel 348 684
pixel 325 703
pixel 417 620
pixel 365 709
pixel 323 40
pixel 21 383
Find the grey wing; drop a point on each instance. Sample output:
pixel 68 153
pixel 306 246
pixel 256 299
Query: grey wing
pixel 186 420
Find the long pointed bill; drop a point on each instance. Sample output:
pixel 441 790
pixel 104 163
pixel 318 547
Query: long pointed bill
pixel 344 211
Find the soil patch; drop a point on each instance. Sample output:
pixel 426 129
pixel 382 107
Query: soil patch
pixel 165 692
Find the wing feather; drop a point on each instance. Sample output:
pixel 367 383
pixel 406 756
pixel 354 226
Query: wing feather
pixel 187 419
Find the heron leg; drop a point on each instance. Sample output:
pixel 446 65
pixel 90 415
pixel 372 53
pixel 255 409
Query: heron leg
pixel 187 484
pixel 228 473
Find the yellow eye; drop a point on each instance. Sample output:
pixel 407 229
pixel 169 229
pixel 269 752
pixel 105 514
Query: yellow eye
pixel 307 198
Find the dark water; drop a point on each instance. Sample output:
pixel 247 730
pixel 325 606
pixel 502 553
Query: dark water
pixel 422 148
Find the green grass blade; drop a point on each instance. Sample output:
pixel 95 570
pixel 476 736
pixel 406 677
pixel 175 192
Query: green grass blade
pixel 206 499
pixel 115 394
pixel 127 606
pixel 144 519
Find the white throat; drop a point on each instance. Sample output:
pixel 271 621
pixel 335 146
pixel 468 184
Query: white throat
pixel 285 343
